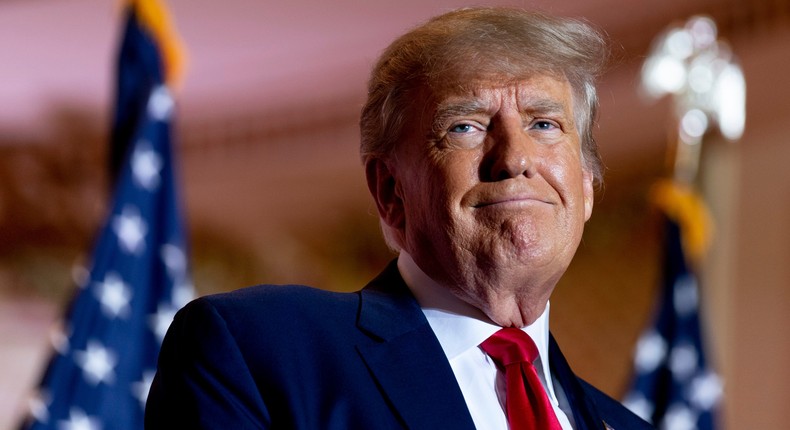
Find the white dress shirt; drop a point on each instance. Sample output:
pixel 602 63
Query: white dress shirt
pixel 461 328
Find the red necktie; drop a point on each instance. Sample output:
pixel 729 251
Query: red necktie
pixel 528 407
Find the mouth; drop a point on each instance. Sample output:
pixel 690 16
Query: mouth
pixel 512 201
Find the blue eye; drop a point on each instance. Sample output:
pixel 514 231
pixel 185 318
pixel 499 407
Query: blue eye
pixel 544 125
pixel 461 128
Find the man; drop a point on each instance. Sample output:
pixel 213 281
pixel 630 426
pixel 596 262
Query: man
pixel 477 146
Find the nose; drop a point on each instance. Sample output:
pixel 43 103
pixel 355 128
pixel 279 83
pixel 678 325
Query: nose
pixel 510 154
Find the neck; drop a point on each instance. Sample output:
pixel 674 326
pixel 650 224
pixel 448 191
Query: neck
pixel 507 308
pixel 514 307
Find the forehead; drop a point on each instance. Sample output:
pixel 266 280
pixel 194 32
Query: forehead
pixel 540 93
pixel 536 87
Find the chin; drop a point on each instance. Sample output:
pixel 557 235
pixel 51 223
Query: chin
pixel 537 258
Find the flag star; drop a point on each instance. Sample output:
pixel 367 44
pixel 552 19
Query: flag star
pixel 705 391
pixel 131 230
pixel 114 296
pixel 679 417
pixel 160 321
pixel 183 293
pixel 38 405
pixel 174 259
pixel 78 420
pixel 97 363
pixel 141 388
pixel 146 165
pixel 651 350
pixel 683 361
pixel 685 296
pixel 59 337
pixel 640 405
pixel 160 103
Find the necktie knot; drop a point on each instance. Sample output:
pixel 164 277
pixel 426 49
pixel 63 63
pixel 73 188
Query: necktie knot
pixel 510 345
pixel 526 404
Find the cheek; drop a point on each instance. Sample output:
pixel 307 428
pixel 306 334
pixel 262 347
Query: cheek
pixel 566 175
pixel 559 173
pixel 429 196
pixel 451 177
pixel 566 180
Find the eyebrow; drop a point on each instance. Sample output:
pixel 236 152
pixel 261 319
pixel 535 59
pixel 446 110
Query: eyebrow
pixel 460 108
pixel 466 107
pixel 454 109
pixel 546 106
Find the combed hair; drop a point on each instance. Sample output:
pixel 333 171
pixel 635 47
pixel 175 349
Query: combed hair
pixel 465 45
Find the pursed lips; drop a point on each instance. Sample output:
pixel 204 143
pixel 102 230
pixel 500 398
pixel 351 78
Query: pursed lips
pixel 512 200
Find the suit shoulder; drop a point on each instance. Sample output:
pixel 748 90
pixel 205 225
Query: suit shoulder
pixel 287 294
pixel 292 303
pixel 613 412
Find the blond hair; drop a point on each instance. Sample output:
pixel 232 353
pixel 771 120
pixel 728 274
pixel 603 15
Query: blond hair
pixel 468 44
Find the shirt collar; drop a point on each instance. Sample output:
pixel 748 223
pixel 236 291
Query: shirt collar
pixel 460 326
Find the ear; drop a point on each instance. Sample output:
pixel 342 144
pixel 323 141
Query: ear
pixel 383 186
pixel 589 193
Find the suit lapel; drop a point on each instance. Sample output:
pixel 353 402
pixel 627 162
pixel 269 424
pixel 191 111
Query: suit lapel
pixel 585 413
pixel 406 359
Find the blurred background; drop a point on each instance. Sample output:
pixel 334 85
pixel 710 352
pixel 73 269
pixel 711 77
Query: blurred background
pixel 274 191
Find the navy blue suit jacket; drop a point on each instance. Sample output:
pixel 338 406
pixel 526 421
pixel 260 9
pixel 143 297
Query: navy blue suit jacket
pixel 294 357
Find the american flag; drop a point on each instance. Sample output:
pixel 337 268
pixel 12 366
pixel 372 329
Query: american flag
pixel 674 386
pixel 105 352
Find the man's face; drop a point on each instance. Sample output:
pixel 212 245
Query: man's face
pixel 492 188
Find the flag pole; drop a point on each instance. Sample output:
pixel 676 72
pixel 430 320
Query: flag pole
pixel 674 386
